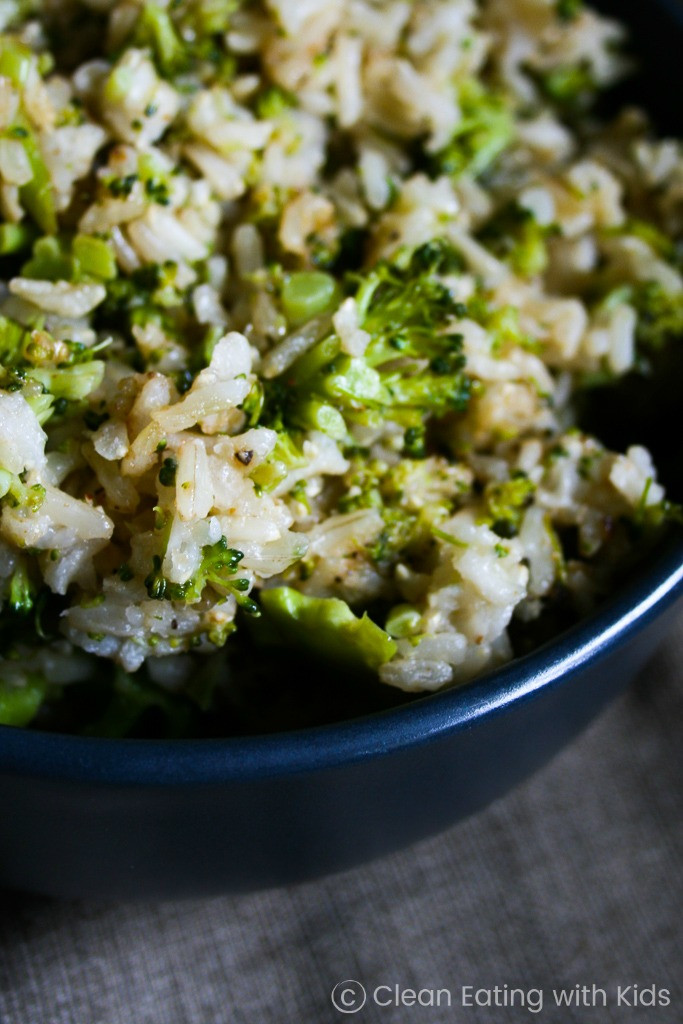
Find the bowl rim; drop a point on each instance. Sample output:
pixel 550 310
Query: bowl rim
pixel 181 762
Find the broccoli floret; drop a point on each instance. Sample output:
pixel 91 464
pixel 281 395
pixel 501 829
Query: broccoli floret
pixel 514 234
pixel 397 534
pixel 167 473
pixel 403 301
pixel 151 295
pixel 17 494
pixel 274 101
pixel 660 315
pixel 219 564
pixel 506 502
pixel 286 456
pixel 411 496
pixel 35 354
pixel 364 484
pixel 570 86
pixel 483 133
pixel 156 583
pixel 49 373
pixel 217 569
pixel 412 368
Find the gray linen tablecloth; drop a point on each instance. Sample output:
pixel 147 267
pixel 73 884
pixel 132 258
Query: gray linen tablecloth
pixel 574 878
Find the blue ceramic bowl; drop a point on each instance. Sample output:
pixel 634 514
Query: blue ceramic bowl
pixel 94 817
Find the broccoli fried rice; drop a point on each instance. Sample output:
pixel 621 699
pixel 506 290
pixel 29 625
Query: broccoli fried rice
pixel 298 297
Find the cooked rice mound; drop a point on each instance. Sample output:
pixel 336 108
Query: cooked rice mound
pixel 299 297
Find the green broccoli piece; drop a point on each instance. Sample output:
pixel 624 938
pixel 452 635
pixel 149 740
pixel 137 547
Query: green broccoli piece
pixel 187 34
pixel 568 10
pixel 73 383
pixel 506 503
pixel 16 63
pixel 483 133
pixel 28 363
pixel 412 368
pixel 50 260
pixel 570 86
pixel 94 258
pixel 36 195
pixel 15 238
pixel 273 102
pixel 306 294
pixel 286 456
pixel 150 295
pixel 217 569
pixel 81 258
pixel 167 473
pixel 19 705
pixel 13 341
pixel 514 234
pixel 328 628
pixel 660 315
pixel 156 29
pixel 21 590
pixel 17 494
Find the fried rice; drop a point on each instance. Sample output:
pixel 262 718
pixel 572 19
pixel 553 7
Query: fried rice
pixel 298 297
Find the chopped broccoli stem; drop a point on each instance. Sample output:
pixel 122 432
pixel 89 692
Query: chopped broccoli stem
pixel 15 238
pixel 50 260
pixel 403 620
pixel 95 257
pixel 19 705
pixel 21 591
pixel 156 25
pixel 307 294
pixel 74 382
pixel 16 61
